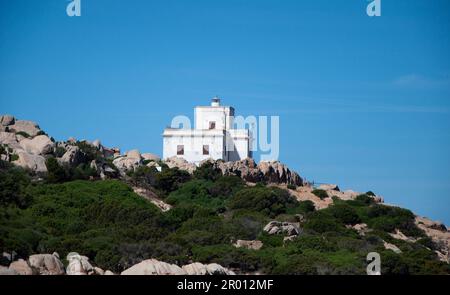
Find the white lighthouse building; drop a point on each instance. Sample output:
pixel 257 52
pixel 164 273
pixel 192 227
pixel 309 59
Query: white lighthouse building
pixel 213 137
